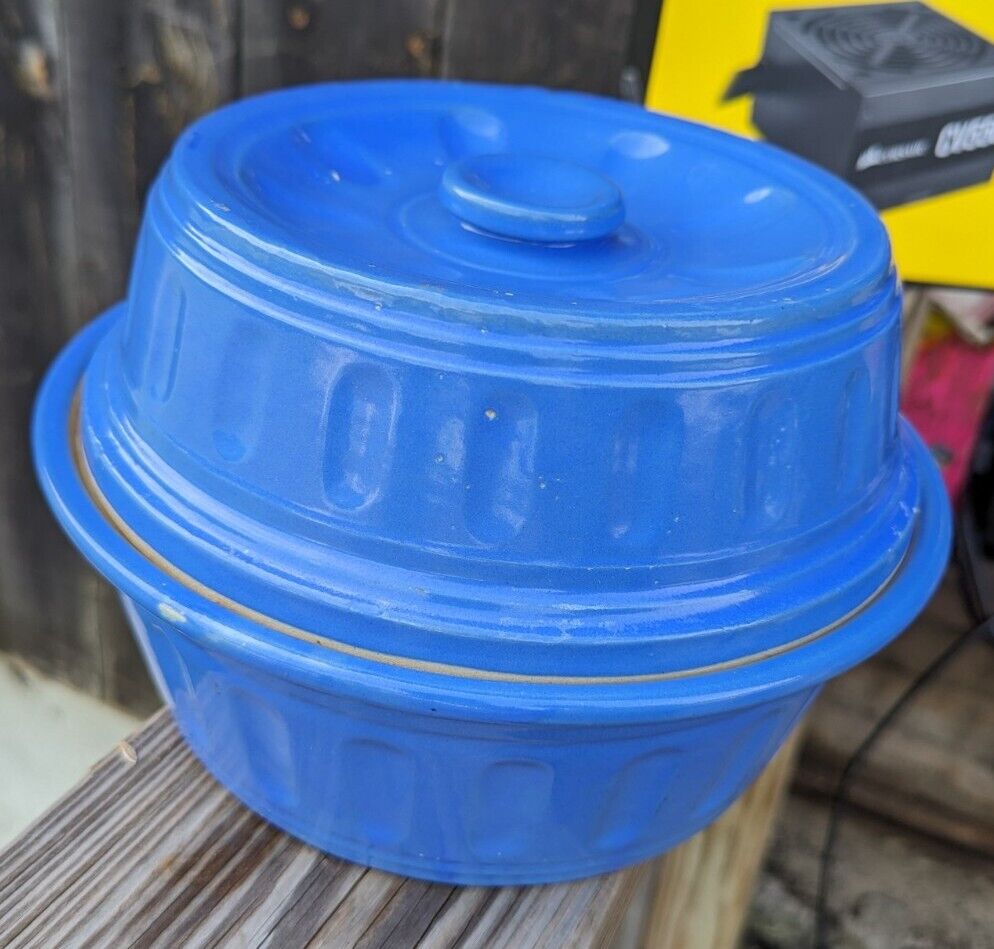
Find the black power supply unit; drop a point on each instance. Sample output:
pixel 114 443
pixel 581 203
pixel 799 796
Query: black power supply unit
pixel 894 97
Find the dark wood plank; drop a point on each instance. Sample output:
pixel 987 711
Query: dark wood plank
pixel 92 93
pixel 26 287
pixel 575 44
pixel 286 42
pixel 181 60
pixel 150 851
pixel 63 249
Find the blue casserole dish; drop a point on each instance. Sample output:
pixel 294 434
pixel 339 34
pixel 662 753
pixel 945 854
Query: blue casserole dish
pixel 493 476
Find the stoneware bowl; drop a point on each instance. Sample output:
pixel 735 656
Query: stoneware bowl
pixel 492 476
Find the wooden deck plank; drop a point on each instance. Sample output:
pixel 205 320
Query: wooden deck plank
pixel 150 851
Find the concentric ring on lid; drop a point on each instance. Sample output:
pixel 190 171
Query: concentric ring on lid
pixel 333 191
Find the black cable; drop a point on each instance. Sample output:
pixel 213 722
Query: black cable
pixel 839 798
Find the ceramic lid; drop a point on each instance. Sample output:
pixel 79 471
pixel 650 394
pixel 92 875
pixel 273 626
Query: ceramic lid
pixel 518 381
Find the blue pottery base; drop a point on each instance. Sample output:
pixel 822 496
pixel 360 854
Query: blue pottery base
pixel 458 778
pixel 454 801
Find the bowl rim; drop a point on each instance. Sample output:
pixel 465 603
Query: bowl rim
pixel 422 689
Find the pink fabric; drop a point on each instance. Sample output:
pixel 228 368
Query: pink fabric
pixel 945 396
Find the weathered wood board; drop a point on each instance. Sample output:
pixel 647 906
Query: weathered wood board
pixel 150 851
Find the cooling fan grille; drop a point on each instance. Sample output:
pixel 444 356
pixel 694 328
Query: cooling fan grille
pixel 896 40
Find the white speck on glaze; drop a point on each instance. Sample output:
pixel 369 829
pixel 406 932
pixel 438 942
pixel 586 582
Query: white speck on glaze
pixel 170 614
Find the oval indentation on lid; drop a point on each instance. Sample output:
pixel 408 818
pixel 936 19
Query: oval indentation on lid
pixel 362 416
pixel 340 155
pixel 771 467
pixel 640 145
pixel 500 469
pixel 511 798
pixel 645 462
pixel 472 131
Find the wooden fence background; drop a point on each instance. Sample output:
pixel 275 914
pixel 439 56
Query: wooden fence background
pixel 92 93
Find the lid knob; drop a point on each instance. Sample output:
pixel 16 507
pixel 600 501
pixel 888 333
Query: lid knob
pixel 531 198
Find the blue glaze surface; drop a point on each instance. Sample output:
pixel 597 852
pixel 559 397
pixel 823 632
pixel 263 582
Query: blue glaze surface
pixel 522 429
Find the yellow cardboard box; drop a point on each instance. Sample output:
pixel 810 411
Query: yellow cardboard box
pixel 897 97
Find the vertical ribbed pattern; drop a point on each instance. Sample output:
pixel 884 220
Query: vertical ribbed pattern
pixel 512 801
pixel 478 801
pixel 267 744
pixel 153 335
pixel 156 655
pixel 720 779
pixel 500 469
pixel 362 419
pixel 629 812
pixel 893 381
pixel 646 452
pixel 163 357
pixel 374 785
pixel 139 317
pixel 239 410
pixel 771 468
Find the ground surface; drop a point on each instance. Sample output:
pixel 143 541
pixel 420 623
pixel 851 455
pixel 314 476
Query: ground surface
pixel 50 736
pixel 892 888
